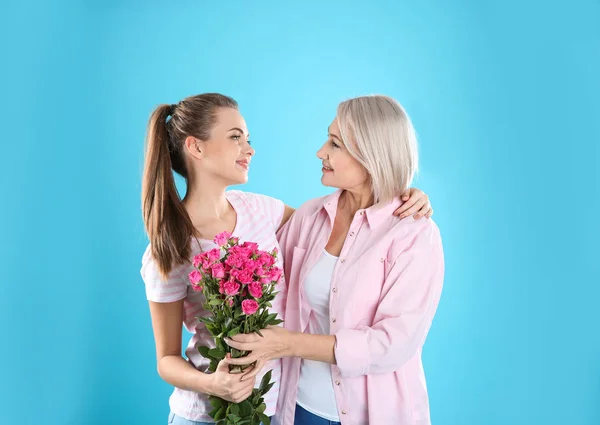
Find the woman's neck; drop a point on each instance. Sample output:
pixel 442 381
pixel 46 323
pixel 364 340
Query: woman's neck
pixel 206 203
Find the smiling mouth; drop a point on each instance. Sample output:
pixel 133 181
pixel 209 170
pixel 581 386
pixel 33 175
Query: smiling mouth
pixel 327 169
pixel 244 164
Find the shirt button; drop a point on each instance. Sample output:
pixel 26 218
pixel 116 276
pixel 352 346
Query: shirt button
pixel 382 260
pixel 333 320
pixel 362 213
pixel 343 260
pixel 334 289
pixel 351 233
pixel 337 382
pixel 343 412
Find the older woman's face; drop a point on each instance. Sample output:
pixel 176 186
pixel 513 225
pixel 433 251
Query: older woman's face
pixel 340 169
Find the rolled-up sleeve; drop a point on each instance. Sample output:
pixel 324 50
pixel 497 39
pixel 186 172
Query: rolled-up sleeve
pixel 407 305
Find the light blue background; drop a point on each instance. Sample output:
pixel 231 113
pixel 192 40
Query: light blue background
pixel 505 98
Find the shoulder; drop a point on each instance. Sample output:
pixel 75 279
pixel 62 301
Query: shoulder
pixel 409 234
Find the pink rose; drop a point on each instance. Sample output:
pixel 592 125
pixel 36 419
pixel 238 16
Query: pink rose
pixel 275 274
pixel 251 246
pixel 255 289
pixel 234 260
pixel 249 307
pixel 231 288
pixel 244 275
pixel 222 238
pixel 195 276
pixel 230 302
pixel 198 260
pixel 214 255
pixel 251 265
pixel 264 259
pixel 218 271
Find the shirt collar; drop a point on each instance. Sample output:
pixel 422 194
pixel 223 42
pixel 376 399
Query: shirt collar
pixel 375 214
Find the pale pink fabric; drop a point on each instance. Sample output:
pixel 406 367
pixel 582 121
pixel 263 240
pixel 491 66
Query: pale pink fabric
pixel 384 293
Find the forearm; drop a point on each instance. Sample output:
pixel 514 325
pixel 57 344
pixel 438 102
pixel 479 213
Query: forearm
pixel 312 347
pixel 181 374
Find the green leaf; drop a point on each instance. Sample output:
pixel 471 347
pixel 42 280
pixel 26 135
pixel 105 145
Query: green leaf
pixel 275 322
pixel 261 408
pixel 255 420
pixel 221 345
pixel 264 419
pixel 207 320
pixel 216 353
pixel 235 409
pixel 215 302
pixel 234 332
pixel 268 388
pixel 265 381
pixel 258 332
pixel 245 408
pixel 233 419
pixel 204 351
pixel 217 402
pixel 220 414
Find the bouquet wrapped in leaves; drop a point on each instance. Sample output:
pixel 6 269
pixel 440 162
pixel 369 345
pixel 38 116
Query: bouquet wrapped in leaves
pixel 238 282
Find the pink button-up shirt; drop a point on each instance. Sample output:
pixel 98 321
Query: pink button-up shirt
pixel 384 292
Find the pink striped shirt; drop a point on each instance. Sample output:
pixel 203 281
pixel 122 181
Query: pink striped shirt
pixel 258 218
pixel 384 292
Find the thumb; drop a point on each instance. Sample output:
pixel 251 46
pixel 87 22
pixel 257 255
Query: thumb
pixel 223 365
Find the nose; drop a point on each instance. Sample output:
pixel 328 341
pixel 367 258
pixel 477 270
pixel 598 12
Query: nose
pixel 250 150
pixel 321 153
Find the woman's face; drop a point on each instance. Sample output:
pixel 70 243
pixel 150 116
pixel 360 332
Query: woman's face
pixel 340 168
pixel 226 155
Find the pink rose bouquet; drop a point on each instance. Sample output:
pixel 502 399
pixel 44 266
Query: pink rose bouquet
pixel 238 282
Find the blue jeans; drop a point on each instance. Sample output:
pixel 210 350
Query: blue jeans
pixel 178 420
pixel 304 417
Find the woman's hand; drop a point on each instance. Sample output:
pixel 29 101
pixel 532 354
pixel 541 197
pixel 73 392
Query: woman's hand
pixel 274 344
pixel 230 386
pixel 416 203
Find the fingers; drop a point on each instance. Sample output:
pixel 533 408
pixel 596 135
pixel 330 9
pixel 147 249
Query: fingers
pixel 260 364
pixel 414 207
pixel 423 211
pixel 249 359
pixel 244 338
pixel 429 213
pixel 242 346
pixel 405 195
pixel 223 365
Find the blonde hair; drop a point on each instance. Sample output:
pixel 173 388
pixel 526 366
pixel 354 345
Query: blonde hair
pixel 378 133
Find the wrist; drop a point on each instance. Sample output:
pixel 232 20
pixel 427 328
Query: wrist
pixel 292 344
pixel 206 383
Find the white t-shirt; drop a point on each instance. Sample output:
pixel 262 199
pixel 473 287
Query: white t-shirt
pixel 315 387
pixel 258 218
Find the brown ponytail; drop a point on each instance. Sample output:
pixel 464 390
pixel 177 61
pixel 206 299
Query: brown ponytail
pixel 167 222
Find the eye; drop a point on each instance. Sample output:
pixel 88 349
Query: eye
pixel 236 137
pixel 334 144
pixel 250 142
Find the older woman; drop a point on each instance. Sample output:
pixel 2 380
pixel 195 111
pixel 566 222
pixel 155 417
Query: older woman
pixel 362 284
